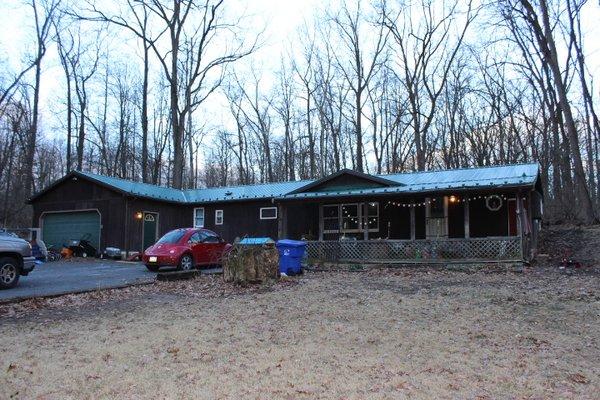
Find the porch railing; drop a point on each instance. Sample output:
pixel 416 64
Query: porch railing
pixel 417 251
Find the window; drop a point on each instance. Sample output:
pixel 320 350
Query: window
pixel 268 213
pixel 331 218
pixel 218 217
pixel 195 238
pixel 371 216
pixel 198 217
pixel 172 237
pixel 436 207
pixel 211 238
pixel 350 217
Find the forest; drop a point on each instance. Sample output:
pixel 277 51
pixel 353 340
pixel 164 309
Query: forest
pixel 170 92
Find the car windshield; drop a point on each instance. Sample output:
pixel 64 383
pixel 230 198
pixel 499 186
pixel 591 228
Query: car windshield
pixel 172 237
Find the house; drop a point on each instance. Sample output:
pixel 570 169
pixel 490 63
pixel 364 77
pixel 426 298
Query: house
pixel 487 213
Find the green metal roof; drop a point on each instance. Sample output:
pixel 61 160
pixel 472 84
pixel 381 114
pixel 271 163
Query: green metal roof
pixel 518 175
pixel 137 188
pixel 504 176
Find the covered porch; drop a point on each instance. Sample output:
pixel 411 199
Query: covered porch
pixel 441 228
pixel 382 224
pixel 436 228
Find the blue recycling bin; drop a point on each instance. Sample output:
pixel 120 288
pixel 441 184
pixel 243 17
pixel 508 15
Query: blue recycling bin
pixel 290 256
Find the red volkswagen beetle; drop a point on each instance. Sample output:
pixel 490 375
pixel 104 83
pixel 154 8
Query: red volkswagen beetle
pixel 185 249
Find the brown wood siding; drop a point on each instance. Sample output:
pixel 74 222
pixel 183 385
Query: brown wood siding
pixel 74 195
pixel 239 219
pixel 117 215
pixel 303 221
pixel 170 216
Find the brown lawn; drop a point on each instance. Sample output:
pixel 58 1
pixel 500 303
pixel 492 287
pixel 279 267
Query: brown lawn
pixel 379 334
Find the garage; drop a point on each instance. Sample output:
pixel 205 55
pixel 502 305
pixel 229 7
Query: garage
pixel 58 228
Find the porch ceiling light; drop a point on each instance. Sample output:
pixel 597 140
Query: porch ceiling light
pixel 453 199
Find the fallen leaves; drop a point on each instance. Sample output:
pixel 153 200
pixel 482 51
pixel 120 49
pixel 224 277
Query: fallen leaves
pixel 207 286
pixel 579 378
pixel 389 333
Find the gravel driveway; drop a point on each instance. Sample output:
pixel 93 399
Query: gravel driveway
pixel 77 275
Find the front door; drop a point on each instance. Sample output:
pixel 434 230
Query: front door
pixel 150 229
pixel 436 217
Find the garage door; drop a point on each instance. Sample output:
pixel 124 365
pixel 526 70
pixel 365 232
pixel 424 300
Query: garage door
pixel 60 228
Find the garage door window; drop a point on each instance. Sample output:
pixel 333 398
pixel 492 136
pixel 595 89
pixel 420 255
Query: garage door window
pixel 199 217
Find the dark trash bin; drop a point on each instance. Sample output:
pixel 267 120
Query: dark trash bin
pixel 290 256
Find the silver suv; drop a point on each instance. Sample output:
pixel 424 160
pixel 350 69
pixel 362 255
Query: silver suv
pixel 15 260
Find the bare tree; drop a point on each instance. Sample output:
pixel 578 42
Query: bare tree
pixel 426 47
pixel 536 20
pixel 83 70
pixel 356 68
pixel 44 13
pixel 188 94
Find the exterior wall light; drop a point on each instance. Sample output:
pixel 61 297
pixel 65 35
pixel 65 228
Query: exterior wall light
pixel 138 215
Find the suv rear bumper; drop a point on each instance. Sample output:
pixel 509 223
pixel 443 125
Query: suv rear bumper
pixel 28 265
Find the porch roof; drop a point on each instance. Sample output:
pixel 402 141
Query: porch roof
pixel 506 176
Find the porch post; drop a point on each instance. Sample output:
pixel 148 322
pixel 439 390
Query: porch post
pixel 320 222
pixel 413 234
pixel 466 219
pixel 364 219
pixel 519 212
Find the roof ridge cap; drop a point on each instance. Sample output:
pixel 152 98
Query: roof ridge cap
pixel 461 169
pixel 249 185
pixel 92 175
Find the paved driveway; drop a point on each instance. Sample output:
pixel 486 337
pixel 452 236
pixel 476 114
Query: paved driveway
pixel 60 277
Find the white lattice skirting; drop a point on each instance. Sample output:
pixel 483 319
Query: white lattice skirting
pixel 417 251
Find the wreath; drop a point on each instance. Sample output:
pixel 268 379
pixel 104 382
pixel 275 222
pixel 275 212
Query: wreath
pixel 493 202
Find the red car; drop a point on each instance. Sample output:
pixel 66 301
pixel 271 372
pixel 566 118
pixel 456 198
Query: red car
pixel 185 249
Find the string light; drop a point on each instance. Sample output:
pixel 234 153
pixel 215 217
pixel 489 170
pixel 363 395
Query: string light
pixel 456 201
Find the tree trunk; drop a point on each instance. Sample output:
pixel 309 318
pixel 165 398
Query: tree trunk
pixel 144 117
pixel 177 123
pixel 585 207
pixel 359 139
pixel 32 137
pixel 69 120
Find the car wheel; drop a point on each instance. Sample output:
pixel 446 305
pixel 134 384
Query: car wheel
pixel 9 272
pixel 186 263
pixel 152 268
